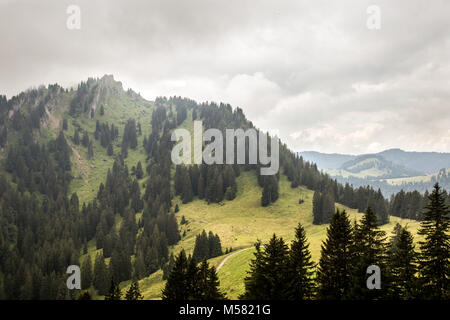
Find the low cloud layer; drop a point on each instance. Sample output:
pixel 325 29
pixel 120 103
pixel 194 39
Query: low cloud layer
pixel 310 69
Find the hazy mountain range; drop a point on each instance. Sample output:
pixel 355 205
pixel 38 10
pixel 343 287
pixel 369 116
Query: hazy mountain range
pixel 423 162
pixel 390 170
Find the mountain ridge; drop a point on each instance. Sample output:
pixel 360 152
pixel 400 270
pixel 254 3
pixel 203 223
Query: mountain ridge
pixel 425 162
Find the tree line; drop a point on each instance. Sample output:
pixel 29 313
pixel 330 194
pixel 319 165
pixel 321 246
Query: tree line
pixel 207 246
pixel 287 273
pixel 282 272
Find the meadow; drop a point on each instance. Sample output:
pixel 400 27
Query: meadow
pixel 241 222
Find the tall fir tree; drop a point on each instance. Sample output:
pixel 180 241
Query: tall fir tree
pixel 101 275
pixel 175 288
pixel 435 248
pixel 317 208
pixel 402 265
pixel 139 171
pixel 301 284
pixel 76 137
pixel 110 150
pixel 186 193
pixel 114 291
pixel 335 264
pixel 90 150
pixel 133 293
pixel 270 190
pixel 323 207
pixel 85 139
pixel 268 277
pixel 369 248
pixel 208 283
pixel 86 273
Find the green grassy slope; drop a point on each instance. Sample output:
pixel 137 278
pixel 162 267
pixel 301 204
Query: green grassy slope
pixel 240 222
pixel 90 173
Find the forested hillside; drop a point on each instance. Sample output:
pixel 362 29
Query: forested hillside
pixel 87 179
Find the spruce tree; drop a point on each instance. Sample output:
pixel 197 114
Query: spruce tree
pixel 208 283
pixel 139 171
pixel 265 197
pixel 327 206
pixel 133 292
pixel 101 275
pixel 317 208
pixel 300 268
pixel 76 137
pixel 219 189
pixel 270 190
pixel 193 291
pixel 85 140
pixel 217 247
pixel 86 273
pixel 335 264
pixel 124 149
pixel 323 207
pixel 114 291
pixel 168 267
pixel 402 265
pixel 139 266
pixel 268 277
pixel 201 187
pixel 186 193
pixel 110 150
pixel 90 151
pixel 201 248
pixel 368 248
pixel 434 263
pixel 230 194
pixel 175 288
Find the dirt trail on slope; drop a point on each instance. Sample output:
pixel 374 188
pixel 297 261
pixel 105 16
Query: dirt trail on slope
pixel 225 260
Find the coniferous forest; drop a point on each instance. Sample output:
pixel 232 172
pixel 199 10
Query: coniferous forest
pixel 97 189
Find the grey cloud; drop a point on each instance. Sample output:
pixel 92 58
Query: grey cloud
pixel 308 68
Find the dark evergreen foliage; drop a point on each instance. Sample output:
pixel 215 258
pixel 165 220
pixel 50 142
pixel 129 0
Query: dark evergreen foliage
pixel 434 262
pixel 187 281
pixel 300 268
pixel 134 293
pixel 101 278
pixel 323 207
pixel 268 277
pixel 207 246
pixel 368 248
pixel 114 292
pixel 402 265
pixel 335 264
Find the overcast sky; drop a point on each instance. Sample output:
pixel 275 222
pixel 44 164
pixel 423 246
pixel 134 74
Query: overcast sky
pixel 312 70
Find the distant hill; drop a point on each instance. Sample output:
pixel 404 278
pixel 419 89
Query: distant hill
pixel 423 162
pixel 390 170
pixel 373 165
pixel 427 162
pixel 325 160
